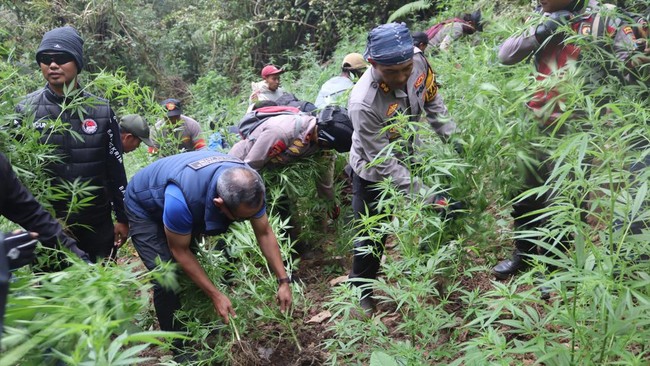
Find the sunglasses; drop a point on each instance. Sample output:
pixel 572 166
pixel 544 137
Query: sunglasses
pixel 57 58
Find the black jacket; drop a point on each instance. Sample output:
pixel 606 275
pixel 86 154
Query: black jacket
pixel 19 206
pixel 93 155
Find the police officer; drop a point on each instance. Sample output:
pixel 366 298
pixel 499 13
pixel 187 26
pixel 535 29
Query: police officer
pixel 187 195
pixel 443 34
pixel 95 159
pixel 178 132
pixel 547 43
pixel 285 138
pixel 400 81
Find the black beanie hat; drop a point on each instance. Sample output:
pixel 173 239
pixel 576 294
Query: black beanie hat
pixel 65 39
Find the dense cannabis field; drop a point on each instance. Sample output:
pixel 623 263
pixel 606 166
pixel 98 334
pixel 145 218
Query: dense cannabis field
pixel 438 301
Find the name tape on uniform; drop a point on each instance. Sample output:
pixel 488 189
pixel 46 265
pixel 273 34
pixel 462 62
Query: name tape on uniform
pixel 213 160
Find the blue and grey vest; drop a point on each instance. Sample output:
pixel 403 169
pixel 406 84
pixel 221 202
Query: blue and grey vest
pixel 196 174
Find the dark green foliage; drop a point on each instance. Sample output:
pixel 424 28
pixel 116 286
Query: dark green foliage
pixel 438 302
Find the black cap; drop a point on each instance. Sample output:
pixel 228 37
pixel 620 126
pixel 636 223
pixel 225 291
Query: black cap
pixel 173 107
pixel 419 37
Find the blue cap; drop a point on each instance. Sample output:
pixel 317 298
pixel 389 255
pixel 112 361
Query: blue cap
pixel 389 44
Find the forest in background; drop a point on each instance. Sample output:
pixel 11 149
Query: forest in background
pixel 439 304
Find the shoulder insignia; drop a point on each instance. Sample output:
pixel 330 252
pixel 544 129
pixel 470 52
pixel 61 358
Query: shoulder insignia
pixel 628 30
pixel 384 87
pixel 419 81
pixel 391 109
pixel 431 86
pixel 277 148
pixel 298 143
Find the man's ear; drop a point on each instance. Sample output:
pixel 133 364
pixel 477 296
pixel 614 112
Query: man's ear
pixel 218 201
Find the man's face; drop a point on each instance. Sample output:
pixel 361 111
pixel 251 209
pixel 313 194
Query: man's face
pixel 240 213
pixel 550 6
pixel 395 76
pixel 174 119
pixel 58 69
pixel 130 142
pixel 273 82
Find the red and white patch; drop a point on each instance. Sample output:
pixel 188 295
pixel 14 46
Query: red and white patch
pixel 89 126
pixel 419 81
pixel 277 149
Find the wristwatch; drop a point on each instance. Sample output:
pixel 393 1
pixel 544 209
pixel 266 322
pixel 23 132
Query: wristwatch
pixel 284 280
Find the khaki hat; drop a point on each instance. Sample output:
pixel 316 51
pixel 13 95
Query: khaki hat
pixel 136 126
pixel 354 61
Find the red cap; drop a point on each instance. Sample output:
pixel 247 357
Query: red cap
pixel 270 70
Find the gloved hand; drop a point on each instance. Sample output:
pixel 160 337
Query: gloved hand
pixel 19 249
pixel 443 204
pixel 549 26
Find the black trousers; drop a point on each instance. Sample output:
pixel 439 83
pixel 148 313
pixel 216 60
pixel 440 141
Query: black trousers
pixel 365 264
pixel 96 239
pixel 533 177
pixel 149 240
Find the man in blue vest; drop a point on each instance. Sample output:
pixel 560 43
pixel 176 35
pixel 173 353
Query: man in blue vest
pixel 197 193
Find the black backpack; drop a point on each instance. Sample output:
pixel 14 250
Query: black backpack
pixel 290 100
pixel 254 119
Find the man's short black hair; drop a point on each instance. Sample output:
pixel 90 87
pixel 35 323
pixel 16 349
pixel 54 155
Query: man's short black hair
pixel 419 37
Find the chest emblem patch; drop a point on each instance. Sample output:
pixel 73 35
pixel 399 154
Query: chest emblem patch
pixel 391 109
pixel 586 30
pixel 89 126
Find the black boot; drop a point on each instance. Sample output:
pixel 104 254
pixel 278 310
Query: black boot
pixel 511 266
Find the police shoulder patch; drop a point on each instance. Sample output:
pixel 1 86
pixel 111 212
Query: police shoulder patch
pixel 391 109
pixel 628 30
pixel 277 148
pixel 419 81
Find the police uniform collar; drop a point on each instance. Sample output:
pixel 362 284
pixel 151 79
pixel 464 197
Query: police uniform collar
pixel 376 81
